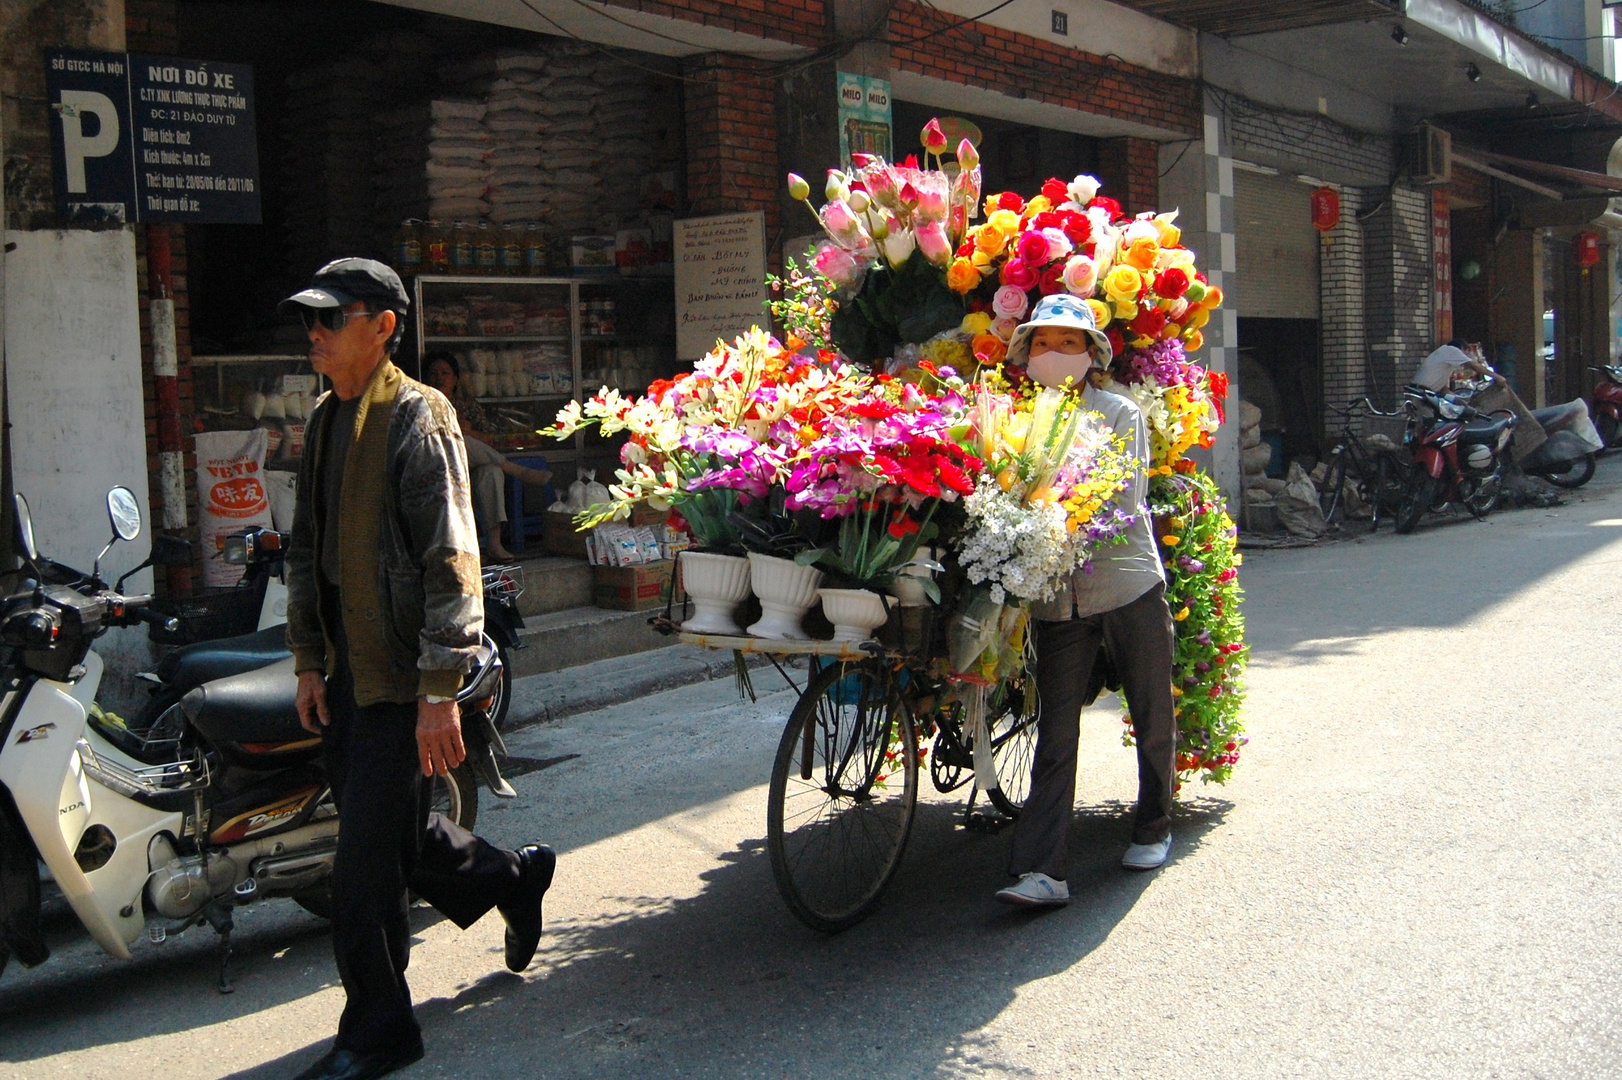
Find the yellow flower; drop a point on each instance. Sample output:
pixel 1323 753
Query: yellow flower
pixel 1039 205
pixel 1005 222
pixel 1177 691
pixel 1197 318
pixel 1170 235
pixel 1102 313
pixel 962 277
pixel 1123 283
pixel 1212 298
pixel 990 241
pixel 1126 310
pixel 1142 254
pixel 1171 539
pixel 1181 615
pixel 975 322
pixel 1194 341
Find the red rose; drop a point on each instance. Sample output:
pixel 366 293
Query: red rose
pixel 1149 323
pixel 1172 283
pixel 1033 248
pixel 1117 342
pixel 964 250
pixel 1056 191
pixel 1076 227
pixel 1104 202
pixel 1010 201
pixel 1052 280
pixel 1046 220
pixel 1020 274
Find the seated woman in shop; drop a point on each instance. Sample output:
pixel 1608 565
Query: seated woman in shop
pixel 489 466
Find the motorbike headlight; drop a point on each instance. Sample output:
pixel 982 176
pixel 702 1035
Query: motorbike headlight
pixel 1450 409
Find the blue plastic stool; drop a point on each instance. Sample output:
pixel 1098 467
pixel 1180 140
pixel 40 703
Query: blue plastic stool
pixel 522 523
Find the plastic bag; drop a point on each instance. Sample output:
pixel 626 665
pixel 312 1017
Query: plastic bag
pixel 1297 505
pixel 596 494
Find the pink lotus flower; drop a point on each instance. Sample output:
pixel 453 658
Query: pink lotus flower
pixel 838 266
pixel 933 243
pixel 839 218
pixel 933 138
pixel 1010 302
pixel 967 155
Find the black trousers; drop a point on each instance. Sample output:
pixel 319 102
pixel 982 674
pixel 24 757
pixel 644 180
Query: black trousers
pixel 387 842
pixel 1141 640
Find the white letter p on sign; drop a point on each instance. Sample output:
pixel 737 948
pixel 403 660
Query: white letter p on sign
pixel 76 147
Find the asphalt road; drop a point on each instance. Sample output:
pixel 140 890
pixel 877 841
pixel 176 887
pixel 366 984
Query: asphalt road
pixel 1414 873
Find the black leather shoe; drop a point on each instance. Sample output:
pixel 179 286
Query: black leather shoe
pixel 523 915
pixel 350 1065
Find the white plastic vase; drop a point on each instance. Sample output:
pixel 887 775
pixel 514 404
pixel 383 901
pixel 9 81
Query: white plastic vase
pixel 855 613
pixel 716 584
pixel 786 591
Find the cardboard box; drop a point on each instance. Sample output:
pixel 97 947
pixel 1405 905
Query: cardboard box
pixel 633 588
pixel 559 538
pixel 591 252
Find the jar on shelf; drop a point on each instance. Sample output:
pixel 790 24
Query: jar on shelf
pixel 510 258
pixel 462 259
pixel 408 253
pixel 485 256
pixel 436 248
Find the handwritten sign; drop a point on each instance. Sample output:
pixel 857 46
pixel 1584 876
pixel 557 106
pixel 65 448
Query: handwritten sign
pixel 720 279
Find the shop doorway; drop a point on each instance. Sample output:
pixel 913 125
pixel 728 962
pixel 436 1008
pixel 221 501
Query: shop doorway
pixel 1280 372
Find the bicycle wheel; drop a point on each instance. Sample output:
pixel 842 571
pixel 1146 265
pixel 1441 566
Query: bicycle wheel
pixel 1329 495
pixel 844 785
pixel 1013 718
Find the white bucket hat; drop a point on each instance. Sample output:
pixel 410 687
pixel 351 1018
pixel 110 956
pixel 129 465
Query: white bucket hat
pixel 1060 309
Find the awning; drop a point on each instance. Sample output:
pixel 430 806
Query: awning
pixel 1235 18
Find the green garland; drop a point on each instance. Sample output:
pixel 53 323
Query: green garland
pixel 1199 546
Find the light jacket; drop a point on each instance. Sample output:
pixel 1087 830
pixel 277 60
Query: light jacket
pixel 411 590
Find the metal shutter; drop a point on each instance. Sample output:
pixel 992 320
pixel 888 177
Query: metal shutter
pixel 1276 247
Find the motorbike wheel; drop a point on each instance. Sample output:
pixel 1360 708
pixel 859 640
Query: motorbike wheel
pixel 456 796
pixel 1577 473
pixel 504 691
pixel 1486 496
pixel 1421 493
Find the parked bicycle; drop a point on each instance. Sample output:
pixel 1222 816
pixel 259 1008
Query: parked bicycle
pixel 1373 467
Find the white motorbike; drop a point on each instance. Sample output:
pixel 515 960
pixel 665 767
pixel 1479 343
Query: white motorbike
pixel 219 802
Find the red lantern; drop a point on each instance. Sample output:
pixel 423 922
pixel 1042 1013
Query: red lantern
pixel 1325 208
pixel 1585 249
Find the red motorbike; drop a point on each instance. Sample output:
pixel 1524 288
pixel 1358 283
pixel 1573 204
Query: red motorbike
pixel 1459 456
pixel 1607 403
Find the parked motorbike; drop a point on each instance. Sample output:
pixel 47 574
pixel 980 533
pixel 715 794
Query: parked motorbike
pixel 1567 457
pixel 222 801
pixel 1459 456
pixel 1607 403
pixel 503 585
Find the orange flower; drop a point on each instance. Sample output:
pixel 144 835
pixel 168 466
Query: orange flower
pixel 989 348
pixel 962 277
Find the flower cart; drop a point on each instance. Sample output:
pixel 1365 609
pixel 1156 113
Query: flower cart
pixel 881 462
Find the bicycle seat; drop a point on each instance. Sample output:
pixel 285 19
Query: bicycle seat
pixel 253 707
pixel 194 665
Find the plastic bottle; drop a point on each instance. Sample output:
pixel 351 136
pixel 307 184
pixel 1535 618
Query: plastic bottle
pixel 534 250
pixel 510 254
pixel 408 248
pixel 462 260
pixel 436 249
pixel 486 250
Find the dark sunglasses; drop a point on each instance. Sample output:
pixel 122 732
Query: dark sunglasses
pixel 331 319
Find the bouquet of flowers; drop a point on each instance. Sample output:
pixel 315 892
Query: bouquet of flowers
pixel 1181 402
pixel 714 438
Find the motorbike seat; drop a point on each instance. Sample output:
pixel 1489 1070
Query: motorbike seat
pixel 255 706
pixel 194 665
pixel 1486 430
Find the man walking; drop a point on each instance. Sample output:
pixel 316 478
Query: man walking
pixel 1120 603
pixel 384 615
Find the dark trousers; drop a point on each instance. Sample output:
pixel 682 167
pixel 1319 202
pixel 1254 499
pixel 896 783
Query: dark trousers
pixel 387 842
pixel 1141 638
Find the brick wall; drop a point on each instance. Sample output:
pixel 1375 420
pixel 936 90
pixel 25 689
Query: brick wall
pixel 1312 144
pixel 1398 285
pixel 926 42
pixel 1341 303
pixel 798 22
pixel 1130 169
pixel 731 139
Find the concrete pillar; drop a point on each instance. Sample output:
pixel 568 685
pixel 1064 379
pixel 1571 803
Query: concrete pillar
pixel 1214 241
pixel 1343 324
pixel 1399 285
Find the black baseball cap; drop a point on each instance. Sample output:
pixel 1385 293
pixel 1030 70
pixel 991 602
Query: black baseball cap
pixel 352 281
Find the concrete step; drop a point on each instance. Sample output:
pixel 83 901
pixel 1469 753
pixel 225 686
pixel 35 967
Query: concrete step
pixel 556 694
pixel 583 635
pixel 554 583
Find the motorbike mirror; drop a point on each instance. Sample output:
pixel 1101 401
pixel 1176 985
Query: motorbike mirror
pixel 124 512
pixel 25 527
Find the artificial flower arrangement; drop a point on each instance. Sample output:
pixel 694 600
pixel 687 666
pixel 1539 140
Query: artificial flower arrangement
pixel 851 437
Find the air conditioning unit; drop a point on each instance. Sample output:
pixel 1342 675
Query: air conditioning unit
pixel 1430 155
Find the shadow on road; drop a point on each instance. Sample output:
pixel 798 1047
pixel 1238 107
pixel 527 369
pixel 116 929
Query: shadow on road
pixel 726 982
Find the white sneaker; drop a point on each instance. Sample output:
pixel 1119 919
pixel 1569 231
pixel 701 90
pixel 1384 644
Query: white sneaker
pixel 1036 890
pixel 1147 856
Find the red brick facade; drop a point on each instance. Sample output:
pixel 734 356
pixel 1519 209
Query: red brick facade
pixel 1130 169
pixel 731 139
pixel 797 22
pixel 1021 66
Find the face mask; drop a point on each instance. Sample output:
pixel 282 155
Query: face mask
pixel 1052 368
